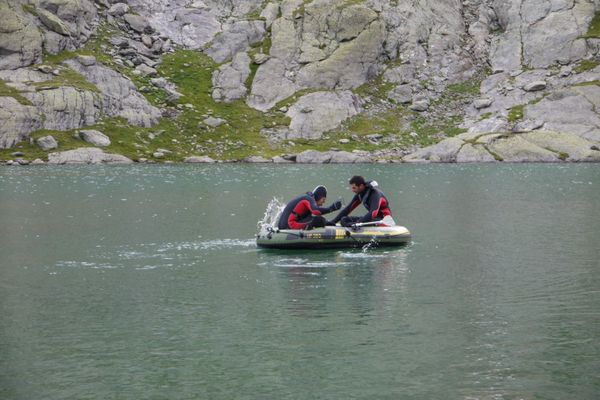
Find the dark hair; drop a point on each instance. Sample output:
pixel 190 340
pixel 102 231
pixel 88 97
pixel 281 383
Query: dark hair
pixel 319 192
pixel 357 180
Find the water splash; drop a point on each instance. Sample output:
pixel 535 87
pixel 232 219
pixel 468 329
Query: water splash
pixel 269 220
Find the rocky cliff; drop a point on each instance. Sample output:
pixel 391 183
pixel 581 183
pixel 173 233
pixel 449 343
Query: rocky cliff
pixel 300 80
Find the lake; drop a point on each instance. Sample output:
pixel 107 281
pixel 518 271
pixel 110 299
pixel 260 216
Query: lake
pixel 144 282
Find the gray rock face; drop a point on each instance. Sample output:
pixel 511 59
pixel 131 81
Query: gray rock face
pixel 320 112
pixel 517 149
pixel 572 111
pixel 229 80
pixel 331 157
pixel 199 160
pixel 94 137
pixel 189 24
pixel 119 95
pixel 66 107
pixel 214 122
pixel 87 155
pixel 69 23
pixel 118 9
pixel 323 44
pixel 401 94
pixel 20 40
pixel 313 157
pixel 573 147
pixel 537 146
pixel 445 151
pixel 470 153
pixel 16 121
pixel 235 37
pixel 138 23
pixel 47 143
pixel 270 85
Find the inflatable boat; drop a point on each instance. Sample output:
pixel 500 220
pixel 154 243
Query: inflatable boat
pixel 334 237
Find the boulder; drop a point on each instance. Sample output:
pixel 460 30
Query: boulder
pixel 236 37
pixel 573 147
pixel 470 153
pixel 270 85
pixel 489 125
pixel 419 105
pixel 118 9
pixel 313 157
pixel 320 112
pixel 138 23
pixel 482 103
pixel 270 13
pixel 16 121
pixel 66 107
pixel 401 94
pixel 345 157
pixel 214 122
pixel 94 137
pixel 86 61
pixel 535 86
pixel 229 80
pixel 87 155
pixel 70 23
pixel 256 160
pixel 444 151
pixel 281 160
pixel 47 143
pixel 53 22
pixel 199 160
pixel 572 111
pixel 514 148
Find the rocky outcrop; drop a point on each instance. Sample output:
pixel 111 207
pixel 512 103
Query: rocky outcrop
pixel 20 39
pixel 16 121
pixel 120 97
pixel 331 157
pixel 94 137
pixel 236 37
pixel 66 107
pixel 320 112
pixel 66 24
pixel 87 155
pixel 323 44
pixel 229 81
pixel 537 146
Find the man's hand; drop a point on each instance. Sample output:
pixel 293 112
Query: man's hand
pixel 336 205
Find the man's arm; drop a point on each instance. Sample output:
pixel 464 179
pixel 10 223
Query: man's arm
pixel 355 202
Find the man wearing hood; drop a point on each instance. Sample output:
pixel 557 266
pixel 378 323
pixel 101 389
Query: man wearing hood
pixel 304 212
pixel 371 197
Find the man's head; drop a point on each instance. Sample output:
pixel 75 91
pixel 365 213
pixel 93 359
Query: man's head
pixel 320 194
pixel 357 184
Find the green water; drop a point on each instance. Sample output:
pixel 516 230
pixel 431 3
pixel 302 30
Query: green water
pixel 143 282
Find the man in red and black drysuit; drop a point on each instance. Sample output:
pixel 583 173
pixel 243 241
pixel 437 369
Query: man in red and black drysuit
pixel 372 198
pixel 304 212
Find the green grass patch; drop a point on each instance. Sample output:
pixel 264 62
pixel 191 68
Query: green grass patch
pixel 585 65
pixel 67 140
pixel 516 113
pixel 470 87
pixel 594 28
pixel 68 77
pixel 30 9
pixel 9 91
pixel 428 129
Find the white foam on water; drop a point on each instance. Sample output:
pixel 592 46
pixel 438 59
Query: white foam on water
pixel 271 217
